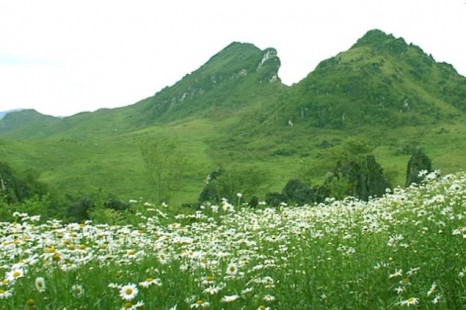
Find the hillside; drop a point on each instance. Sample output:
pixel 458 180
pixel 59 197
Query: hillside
pixel 380 79
pixel 234 113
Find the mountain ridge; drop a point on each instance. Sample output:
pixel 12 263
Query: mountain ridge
pixel 234 112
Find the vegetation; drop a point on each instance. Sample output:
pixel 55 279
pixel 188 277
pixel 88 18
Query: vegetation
pixel 381 97
pixel 266 196
pixel 400 250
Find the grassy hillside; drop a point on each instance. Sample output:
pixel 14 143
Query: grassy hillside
pixel 234 113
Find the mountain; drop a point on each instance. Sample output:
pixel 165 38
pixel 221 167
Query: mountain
pixel 380 79
pixel 25 121
pixel 3 113
pixel 234 113
pixel 230 79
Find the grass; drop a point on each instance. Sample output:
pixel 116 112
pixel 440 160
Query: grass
pixel 404 249
pixel 115 166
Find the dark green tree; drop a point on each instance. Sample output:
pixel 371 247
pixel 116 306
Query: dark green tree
pixel 361 177
pixel 419 161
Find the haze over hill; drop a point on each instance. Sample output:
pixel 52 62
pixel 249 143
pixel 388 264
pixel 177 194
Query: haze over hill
pixel 234 113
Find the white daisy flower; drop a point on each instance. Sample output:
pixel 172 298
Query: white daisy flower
pixel 40 284
pixel 128 291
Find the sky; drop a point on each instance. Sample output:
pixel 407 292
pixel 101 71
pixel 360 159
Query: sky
pixel 64 57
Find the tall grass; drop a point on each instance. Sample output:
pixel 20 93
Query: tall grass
pixel 405 249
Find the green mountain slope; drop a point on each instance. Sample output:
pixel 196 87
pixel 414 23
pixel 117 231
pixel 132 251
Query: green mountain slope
pixel 234 113
pixel 230 80
pixel 381 79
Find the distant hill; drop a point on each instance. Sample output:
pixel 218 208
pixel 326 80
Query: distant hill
pixel 27 122
pixel 3 113
pixel 235 113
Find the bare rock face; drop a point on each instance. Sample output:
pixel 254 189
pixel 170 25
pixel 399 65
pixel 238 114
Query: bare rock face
pixel 418 162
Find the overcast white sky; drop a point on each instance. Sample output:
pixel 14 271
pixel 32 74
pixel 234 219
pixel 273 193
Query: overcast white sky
pixel 64 57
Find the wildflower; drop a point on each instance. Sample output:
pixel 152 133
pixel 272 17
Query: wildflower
pixel 422 173
pixel 14 274
pixel 150 281
pixel 200 304
pixel 5 294
pixel 410 301
pixel 399 290
pixel 77 290
pixel 163 258
pixel 232 269
pixel 397 273
pixel 412 271
pixel 436 299
pixel 114 285
pixel 208 280
pixel 128 291
pixel 30 302
pixel 35 218
pixel 432 289
pixel 40 284
pixel 247 290
pixel 269 298
pixel 262 307
pixel 129 306
pixel 455 187
pixel 130 252
pixel 229 298
pixel 211 290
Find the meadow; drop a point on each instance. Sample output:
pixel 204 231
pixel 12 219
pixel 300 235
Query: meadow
pixel 405 249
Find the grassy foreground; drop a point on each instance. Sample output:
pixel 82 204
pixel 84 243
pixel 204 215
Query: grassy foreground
pixel 405 249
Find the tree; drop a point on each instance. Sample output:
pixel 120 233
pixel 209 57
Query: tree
pixel 361 177
pixel 227 183
pixel 18 188
pixel 166 164
pixel 419 161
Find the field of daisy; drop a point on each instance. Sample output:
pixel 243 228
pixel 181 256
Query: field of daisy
pixel 406 249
